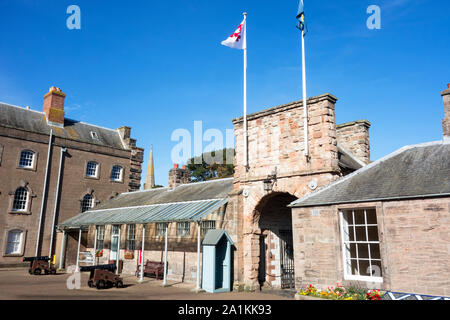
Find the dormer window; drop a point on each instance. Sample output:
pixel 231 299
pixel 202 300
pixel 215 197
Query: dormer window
pixel 26 159
pixel 92 169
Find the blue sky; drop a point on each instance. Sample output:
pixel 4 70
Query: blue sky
pixel 158 65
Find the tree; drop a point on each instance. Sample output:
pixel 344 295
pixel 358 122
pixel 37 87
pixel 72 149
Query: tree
pixel 210 170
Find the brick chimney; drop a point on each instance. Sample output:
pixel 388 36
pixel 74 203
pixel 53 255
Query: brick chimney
pixel 178 176
pixel 446 121
pixel 54 106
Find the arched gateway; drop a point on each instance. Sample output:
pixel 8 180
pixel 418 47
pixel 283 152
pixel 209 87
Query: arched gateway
pixel 278 173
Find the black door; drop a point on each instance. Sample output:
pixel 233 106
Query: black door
pixel 287 259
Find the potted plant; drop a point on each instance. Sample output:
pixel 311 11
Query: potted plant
pixel 99 253
pixel 129 254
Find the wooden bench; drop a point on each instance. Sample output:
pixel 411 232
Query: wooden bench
pixel 151 267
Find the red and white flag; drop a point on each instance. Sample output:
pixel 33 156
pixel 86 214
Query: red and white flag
pixel 238 40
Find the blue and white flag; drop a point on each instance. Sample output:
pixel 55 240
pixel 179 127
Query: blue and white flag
pixel 301 17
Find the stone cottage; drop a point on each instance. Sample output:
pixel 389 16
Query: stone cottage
pixel 385 226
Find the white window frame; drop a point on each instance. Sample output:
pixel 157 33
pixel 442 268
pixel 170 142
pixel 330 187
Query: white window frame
pixel 91 204
pixel 14 209
pixel 131 237
pixel 23 154
pixel 161 229
pixel 207 225
pixel 120 179
pixel 96 169
pixel 100 237
pixel 345 259
pixel 19 246
pixel 184 231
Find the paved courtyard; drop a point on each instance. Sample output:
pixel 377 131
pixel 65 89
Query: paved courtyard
pixel 17 284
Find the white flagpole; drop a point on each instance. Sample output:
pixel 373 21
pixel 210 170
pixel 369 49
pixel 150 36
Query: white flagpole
pixel 245 92
pixel 305 105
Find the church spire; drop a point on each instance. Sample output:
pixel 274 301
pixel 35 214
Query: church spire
pixel 150 180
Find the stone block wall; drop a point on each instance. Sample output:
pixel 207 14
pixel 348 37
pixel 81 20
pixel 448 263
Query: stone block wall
pixel 414 246
pixel 354 137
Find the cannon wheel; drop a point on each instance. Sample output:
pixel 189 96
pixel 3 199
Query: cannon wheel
pixel 101 284
pixel 53 271
pixel 90 284
pixel 37 271
pixel 29 271
pixel 119 284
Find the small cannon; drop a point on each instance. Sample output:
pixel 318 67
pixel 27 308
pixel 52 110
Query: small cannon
pixel 39 264
pixel 103 276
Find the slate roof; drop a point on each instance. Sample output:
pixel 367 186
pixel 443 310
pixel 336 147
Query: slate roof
pixel 35 121
pixel 416 171
pixel 215 189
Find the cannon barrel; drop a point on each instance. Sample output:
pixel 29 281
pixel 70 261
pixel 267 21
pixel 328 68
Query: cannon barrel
pixel 30 259
pixel 109 267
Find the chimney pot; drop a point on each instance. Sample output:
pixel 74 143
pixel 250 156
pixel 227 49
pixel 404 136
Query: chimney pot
pixel 176 165
pixel 184 167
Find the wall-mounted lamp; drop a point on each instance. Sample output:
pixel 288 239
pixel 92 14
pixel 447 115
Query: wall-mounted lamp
pixel 269 182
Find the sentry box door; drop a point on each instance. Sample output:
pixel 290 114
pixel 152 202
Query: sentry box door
pixel 217 261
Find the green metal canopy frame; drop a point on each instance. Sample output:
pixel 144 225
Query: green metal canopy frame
pixel 188 211
pixel 167 212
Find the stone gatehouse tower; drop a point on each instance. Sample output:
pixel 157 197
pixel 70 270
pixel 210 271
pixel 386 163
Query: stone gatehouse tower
pixel 279 173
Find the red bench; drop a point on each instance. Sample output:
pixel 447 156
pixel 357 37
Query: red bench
pixel 151 267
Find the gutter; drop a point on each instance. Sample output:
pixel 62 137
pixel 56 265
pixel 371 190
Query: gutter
pixel 44 193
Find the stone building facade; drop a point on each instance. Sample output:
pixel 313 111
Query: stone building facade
pixel 278 173
pixel 44 160
pixel 384 227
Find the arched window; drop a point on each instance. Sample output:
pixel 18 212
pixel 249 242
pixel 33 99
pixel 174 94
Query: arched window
pixel 116 173
pixel 92 169
pixel 14 245
pixel 20 199
pixel 87 203
pixel 26 159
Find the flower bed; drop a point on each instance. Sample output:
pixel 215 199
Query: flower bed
pixel 341 293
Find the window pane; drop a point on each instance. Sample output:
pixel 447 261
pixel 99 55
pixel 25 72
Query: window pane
pixel 376 269
pixel 354 264
pixel 348 217
pixel 375 251
pixel 361 234
pixel 353 250
pixel 371 216
pixel 359 217
pixel 363 251
pixel 351 233
pixel 364 268
pixel 373 233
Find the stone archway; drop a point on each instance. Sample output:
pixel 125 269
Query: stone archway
pixel 273 220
